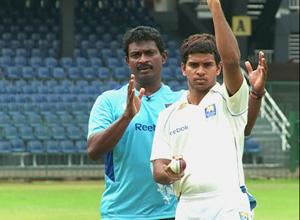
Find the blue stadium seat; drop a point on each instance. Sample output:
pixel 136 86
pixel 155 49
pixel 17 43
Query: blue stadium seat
pixel 35 147
pixel 50 62
pixel 57 132
pixel 8 52
pixel 95 62
pixel 68 98
pixel 59 89
pixel 35 61
pixel 41 132
pixel 18 118
pixel 74 89
pixel 44 89
pixel 21 52
pixel 99 45
pixel 5 147
pixel 28 89
pixel 73 132
pixel 68 147
pixel 50 82
pixel 5 61
pixel 88 72
pixel 58 73
pixel 29 44
pixel 27 72
pixel 81 148
pixel 60 108
pixel 14 44
pixel 20 61
pixel 34 119
pixel 12 72
pixel 103 73
pixel 36 52
pixel 81 62
pixel 174 85
pixel 82 83
pixel 21 35
pixel 91 52
pixel 121 73
pixel 11 89
pixel 19 82
pixel 52 98
pixel 43 72
pixel 52 147
pixel 50 118
pixel 36 98
pixel 10 132
pixel 65 83
pixel 26 132
pixel 19 149
pixel 73 73
pixel 4 120
pixel 167 73
pixel 66 62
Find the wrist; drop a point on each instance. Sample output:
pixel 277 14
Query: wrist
pixel 256 95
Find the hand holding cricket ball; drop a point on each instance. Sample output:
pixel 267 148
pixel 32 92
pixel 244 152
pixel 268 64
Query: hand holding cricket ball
pixel 175 169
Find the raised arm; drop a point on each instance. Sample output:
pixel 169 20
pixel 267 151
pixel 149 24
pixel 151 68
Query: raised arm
pixel 257 80
pixel 228 48
pixel 103 142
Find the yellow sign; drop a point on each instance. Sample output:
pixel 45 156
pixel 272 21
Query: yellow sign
pixel 241 25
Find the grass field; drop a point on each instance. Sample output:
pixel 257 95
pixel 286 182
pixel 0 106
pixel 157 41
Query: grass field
pixel 277 200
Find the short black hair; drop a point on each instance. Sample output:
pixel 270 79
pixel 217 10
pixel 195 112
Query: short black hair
pixel 141 33
pixel 199 43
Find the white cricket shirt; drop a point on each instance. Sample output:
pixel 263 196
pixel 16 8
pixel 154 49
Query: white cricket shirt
pixel 210 138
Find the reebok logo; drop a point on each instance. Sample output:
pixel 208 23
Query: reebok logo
pixel 178 130
pixel 141 127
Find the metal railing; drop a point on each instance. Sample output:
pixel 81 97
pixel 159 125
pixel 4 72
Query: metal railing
pixel 280 124
pixel 294 5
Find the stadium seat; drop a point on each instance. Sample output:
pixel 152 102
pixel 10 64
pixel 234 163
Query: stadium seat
pixel 19 149
pixel 27 72
pixel 174 85
pixel 4 120
pixel 74 89
pixel 66 119
pixel 88 72
pixel 82 83
pixel 66 62
pixel 59 89
pixel 43 72
pixel 73 73
pixel 19 61
pixel 68 147
pixel 121 73
pixel 68 98
pixel 35 147
pixel 10 132
pixel 35 61
pixel 81 62
pixel 252 148
pixel 36 52
pixel 29 44
pixel 58 73
pixel 73 132
pixel 34 119
pixel 50 118
pixel 12 72
pixel 167 73
pixel 11 89
pixel 103 73
pixel 44 89
pixel 19 82
pixel 57 132
pixel 21 52
pixel 41 132
pixel 99 45
pixel 8 52
pixel 50 82
pixel 91 52
pixel 60 108
pixel 52 147
pixel 5 147
pixel 95 62
pixel 5 61
pixel 50 62
pixel 26 132
pixel 36 98
pixel 81 148
pixel 52 98
pixel 65 83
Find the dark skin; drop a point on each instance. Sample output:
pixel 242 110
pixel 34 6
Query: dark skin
pixel 201 69
pixel 145 63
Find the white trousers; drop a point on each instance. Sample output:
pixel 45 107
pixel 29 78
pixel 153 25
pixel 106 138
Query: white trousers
pixel 233 205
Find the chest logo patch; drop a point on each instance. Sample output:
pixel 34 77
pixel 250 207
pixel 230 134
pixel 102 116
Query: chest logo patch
pixel 210 111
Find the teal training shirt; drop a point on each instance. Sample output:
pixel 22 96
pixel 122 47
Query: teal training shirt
pixel 130 191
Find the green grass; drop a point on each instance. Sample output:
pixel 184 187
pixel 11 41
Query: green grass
pixel 277 200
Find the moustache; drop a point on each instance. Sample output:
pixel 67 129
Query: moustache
pixel 144 66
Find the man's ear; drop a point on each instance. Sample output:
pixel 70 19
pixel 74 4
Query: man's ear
pixel 164 57
pixel 183 69
pixel 219 68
